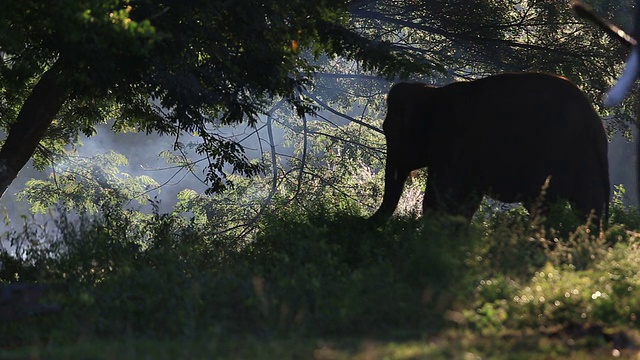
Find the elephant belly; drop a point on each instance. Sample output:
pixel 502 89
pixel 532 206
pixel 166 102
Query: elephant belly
pixel 511 188
pixel 506 195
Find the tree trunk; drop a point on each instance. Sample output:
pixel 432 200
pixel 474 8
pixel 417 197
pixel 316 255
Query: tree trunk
pixel 35 117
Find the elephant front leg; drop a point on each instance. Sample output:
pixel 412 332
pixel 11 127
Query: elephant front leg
pixel 451 198
pixel 393 186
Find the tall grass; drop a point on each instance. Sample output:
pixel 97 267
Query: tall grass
pixel 320 273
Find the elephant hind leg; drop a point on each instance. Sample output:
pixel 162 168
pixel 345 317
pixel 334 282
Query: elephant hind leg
pixel 585 210
pixel 538 208
pixel 593 205
pixel 593 212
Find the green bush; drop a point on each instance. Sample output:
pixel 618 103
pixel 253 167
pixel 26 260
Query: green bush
pixel 321 272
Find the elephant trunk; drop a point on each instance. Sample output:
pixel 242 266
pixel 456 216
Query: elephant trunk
pixel 393 186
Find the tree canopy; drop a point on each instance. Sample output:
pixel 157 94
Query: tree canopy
pixel 192 67
pixel 164 66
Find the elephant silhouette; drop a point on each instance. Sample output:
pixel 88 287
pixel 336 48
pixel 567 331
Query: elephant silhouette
pixel 504 136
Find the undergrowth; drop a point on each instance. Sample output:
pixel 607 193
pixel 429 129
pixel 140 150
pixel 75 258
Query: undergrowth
pixel 320 273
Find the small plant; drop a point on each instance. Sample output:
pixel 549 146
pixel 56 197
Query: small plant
pixel 622 214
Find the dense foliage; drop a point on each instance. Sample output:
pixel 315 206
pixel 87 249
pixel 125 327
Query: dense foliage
pixel 169 67
pixel 324 272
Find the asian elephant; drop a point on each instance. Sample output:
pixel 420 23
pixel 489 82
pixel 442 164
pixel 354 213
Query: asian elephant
pixel 503 136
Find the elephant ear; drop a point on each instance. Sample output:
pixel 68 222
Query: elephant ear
pixel 404 105
pixel 409 106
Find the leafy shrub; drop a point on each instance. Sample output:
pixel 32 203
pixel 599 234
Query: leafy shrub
pixel 622 214
pixel 318 272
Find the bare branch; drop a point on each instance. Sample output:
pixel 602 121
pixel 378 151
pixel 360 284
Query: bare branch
pixel 359 144
pixel 365 14
pixel 303 160
pixel 274 162
pixel 342 115
pixel 350 76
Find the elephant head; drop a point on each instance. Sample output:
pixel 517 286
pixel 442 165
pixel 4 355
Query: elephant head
pixel 504 136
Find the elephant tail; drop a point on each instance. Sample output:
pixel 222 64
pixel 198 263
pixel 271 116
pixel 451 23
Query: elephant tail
pixel 606 181
pixel 607 195
pixel 605 216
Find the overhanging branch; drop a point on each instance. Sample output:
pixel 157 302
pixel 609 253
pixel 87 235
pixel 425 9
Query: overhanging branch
pixel 342 115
